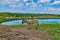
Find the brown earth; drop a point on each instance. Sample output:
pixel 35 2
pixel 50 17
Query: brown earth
pixel 23 34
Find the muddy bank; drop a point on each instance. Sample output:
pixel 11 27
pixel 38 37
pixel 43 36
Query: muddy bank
pixel 23 34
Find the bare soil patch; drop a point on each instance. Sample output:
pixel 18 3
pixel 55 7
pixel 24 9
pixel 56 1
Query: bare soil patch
pixel 23 34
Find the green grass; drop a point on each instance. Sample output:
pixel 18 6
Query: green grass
pixel 52 29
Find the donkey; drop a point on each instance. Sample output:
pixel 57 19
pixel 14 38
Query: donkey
pixel 30 21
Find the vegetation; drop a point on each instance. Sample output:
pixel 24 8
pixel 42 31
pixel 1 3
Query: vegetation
pixel 28 15
pixel 52 29
pixel 5 16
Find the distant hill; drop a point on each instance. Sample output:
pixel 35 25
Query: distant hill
pixel 8 14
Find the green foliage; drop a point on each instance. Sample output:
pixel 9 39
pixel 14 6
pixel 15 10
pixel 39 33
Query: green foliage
pixel 52 29
pixel 32 15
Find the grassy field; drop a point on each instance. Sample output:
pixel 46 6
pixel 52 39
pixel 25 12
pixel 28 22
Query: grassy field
pixel 52 29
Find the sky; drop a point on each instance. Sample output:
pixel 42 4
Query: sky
pixel 30 6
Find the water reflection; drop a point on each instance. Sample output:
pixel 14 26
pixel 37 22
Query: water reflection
pixel 41 21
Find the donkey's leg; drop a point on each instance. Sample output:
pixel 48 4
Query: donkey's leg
pixel 29 27
pixel 22 22
pixel 37 25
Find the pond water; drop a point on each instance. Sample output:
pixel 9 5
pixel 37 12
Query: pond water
pixel 41 21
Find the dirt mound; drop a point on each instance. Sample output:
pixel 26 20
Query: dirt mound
pixel 22 34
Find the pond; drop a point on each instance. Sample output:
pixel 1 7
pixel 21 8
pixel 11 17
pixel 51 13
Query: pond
pixel 41 21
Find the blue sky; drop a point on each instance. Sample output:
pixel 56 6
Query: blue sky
pixel 30 6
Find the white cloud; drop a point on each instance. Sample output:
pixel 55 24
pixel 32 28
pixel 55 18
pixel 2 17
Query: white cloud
pixel 58 9
pixel 44 0
pixel 17 0
pixel 25 0
pixel 33 6
pixel 12 5
pixel 51 9
pixel 20 5
pixel 27 4
pixel 9 1
pixel 56 2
